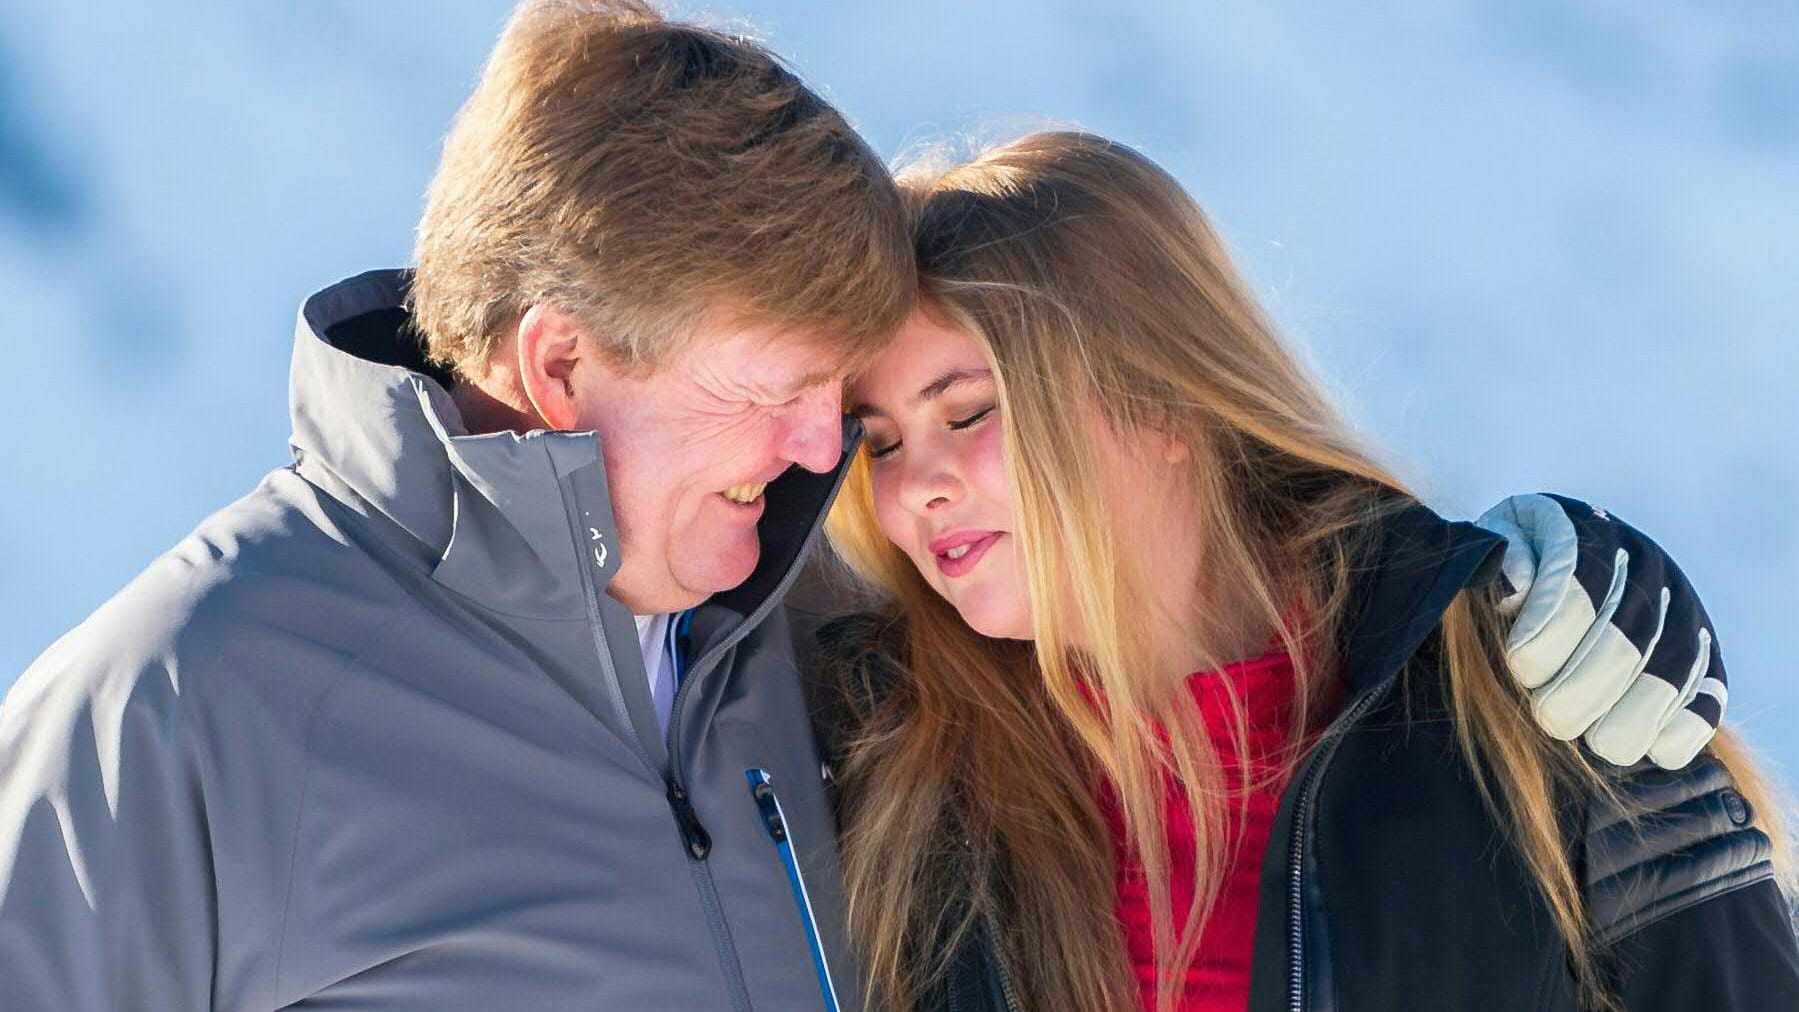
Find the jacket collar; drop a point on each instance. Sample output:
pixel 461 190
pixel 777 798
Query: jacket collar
pixel 1414 564
pixel 507 520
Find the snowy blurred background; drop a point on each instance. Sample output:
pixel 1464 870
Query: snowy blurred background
pixel 1534 245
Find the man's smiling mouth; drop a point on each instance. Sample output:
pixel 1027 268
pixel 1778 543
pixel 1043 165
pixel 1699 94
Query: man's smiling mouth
pixel 745 494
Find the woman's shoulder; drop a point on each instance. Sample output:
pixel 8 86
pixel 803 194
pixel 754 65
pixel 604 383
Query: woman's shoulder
pixel 857 666
pixel 857 632
pixel 1656 842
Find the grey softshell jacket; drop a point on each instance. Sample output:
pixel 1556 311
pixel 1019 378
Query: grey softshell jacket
pixel 373 737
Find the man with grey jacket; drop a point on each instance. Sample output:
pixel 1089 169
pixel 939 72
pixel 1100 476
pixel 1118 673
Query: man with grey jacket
pixel 382 733
pixel 487 701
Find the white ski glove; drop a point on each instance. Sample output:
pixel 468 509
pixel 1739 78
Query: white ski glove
pixel 1607 634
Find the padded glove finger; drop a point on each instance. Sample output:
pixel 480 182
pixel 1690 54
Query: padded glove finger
pixel 1670 678
pixel 1608 635
pixel 1561 582
pixel 1675 704
pixel 1612 655
pixel 1691 727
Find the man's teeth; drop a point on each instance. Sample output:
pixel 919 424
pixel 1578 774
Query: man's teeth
pixel 745 494
pixel 957 552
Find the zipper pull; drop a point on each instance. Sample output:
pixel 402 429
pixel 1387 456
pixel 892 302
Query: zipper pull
pixel 699 842
pixel 764 793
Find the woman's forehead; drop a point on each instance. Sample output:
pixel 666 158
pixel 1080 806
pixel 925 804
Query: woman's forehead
pixel 928 358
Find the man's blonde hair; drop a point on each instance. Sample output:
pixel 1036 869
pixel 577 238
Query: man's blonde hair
pixel 649 176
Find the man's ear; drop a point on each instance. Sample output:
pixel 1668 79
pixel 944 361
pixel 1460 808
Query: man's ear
pixel 549 350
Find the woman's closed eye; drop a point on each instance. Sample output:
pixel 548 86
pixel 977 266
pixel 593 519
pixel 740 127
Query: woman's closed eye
pixel 963 423
pixel 955 425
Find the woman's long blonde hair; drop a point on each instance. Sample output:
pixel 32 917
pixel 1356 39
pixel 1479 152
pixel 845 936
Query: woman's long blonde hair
pixel 1096 284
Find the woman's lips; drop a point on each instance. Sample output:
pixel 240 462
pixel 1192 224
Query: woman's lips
pixel 969 553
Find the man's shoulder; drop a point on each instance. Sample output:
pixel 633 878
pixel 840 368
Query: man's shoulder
pixel 268 596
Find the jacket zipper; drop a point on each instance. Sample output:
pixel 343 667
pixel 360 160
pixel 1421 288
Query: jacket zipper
pixel 1302 815
pixel 693 833
pixel 695 840
pixel 775 821
pixel 1006 989
pixel 691 675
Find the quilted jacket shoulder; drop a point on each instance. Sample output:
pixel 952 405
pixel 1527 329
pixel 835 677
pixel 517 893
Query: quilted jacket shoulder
pixel 1666 841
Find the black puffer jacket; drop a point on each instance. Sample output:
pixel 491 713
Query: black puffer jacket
pixel 1387 884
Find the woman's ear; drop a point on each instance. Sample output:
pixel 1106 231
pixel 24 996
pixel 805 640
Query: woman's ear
pixel 1158 443
pixel 549 351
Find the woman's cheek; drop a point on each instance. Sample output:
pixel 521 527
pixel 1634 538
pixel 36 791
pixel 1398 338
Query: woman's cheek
pixel 888 514
pixel 984 464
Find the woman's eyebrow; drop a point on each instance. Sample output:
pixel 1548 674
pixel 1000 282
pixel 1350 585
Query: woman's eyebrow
pixel 949 381
pixel 930 391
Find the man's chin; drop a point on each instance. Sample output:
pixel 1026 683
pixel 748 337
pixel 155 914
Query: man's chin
pixel 724 570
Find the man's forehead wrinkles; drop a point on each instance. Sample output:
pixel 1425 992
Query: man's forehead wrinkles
pixel 804 383
pixel 763 379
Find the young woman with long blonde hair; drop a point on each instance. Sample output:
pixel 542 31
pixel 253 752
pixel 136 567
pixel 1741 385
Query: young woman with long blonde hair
pixel 1179 699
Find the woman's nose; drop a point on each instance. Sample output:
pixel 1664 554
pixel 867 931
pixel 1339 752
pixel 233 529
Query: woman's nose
pixel 929 483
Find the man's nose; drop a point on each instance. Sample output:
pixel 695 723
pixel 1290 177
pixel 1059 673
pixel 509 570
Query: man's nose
pixel 815 430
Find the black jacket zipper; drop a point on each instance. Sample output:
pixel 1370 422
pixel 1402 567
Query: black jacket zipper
pixel 1302 819
pixel 693 833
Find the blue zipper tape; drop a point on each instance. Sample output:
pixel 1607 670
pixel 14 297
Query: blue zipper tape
pixel 775 822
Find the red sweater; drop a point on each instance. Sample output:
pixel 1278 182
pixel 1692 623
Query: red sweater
pixel 1219 977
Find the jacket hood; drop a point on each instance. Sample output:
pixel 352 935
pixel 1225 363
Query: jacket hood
pixel 503 518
